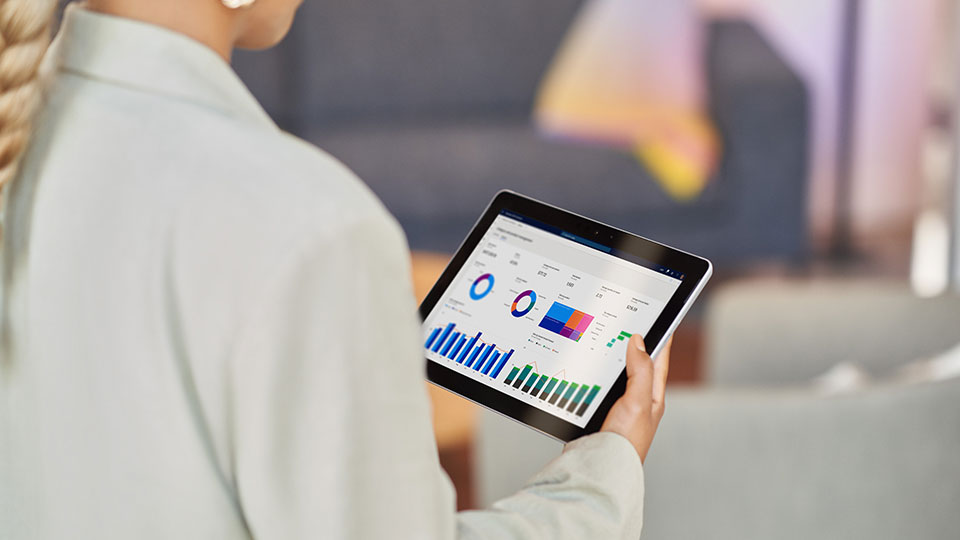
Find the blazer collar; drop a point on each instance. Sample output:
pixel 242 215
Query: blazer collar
pixel 151 59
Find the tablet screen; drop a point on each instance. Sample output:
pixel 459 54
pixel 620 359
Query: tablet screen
pixel 544 316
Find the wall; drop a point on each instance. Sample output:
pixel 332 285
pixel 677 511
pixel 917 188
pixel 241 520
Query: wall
pixel 895 48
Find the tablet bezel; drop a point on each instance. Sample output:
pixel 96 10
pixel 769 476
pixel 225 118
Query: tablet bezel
pixel 696 271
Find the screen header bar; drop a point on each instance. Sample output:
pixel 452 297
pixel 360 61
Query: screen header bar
pixel 669 272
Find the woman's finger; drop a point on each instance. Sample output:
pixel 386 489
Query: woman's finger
pixel 661 368
pixel 639 372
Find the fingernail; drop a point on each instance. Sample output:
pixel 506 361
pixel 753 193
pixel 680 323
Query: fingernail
pixel 638 342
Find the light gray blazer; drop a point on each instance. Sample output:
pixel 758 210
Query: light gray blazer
pixel 213 334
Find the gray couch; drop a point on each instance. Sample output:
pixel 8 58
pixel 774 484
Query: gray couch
pixel 759 454
pixel 429 102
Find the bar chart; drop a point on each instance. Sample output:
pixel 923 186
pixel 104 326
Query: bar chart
pixel 570 396
pixel 468 350
pixel 622 336
pixel 566 321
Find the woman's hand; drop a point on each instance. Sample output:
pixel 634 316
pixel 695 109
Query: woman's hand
pixel 637 413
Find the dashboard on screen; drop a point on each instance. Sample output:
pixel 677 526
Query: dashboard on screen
pixel 544 316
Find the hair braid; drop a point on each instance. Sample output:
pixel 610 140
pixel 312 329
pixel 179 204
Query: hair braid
pixel 24 38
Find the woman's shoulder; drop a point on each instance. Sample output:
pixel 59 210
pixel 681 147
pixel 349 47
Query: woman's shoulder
pixel 249 195
pixel 215 156
pixel 230 186
pixel 276 172
pixel 267 201
pixel 267 167
pixel 241 170
pixel 282 190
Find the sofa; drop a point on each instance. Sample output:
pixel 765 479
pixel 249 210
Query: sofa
pixel 430 103
pixel 760 451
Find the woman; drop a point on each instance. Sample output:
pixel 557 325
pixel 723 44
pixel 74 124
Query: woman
pixel 208 325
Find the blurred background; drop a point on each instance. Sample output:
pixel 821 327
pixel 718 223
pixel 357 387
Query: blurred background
pixel 808 147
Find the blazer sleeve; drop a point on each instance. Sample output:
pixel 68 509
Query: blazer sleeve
pixel 330 421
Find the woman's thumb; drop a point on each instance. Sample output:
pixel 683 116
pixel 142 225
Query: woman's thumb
pixel 639 368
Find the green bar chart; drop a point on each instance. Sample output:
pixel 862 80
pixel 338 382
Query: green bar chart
pixel 572 397
pixel 621 337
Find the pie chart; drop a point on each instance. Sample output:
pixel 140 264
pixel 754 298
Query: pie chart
pixel 481 286
pixel 522 299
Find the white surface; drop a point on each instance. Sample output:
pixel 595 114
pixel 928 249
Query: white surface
pixel 842 378
pixel 941 367
pixel 929 260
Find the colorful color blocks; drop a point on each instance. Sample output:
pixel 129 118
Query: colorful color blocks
pixel 566 321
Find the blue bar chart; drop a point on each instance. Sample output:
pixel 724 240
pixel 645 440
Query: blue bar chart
pixel 471 351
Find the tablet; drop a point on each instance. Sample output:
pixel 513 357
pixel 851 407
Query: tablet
pixel 532 316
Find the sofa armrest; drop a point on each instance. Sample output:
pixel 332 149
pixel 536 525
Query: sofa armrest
pixel 786 333
pixel 791 464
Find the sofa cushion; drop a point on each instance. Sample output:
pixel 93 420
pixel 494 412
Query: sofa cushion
pixel 368 57
pixel 767 333
pixel 437 179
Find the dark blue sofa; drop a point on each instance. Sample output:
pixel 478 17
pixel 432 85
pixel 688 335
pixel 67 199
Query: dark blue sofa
pixel 429 102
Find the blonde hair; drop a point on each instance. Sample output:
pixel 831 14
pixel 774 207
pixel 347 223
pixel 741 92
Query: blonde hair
pixel 24 38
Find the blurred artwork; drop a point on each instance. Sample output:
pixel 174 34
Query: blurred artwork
pixel 629 75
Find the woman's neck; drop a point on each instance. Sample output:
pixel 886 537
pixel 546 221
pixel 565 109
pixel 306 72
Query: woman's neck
pixel 203 20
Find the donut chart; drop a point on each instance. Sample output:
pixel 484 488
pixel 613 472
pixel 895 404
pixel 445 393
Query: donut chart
pixel 515 309
pixel 475 292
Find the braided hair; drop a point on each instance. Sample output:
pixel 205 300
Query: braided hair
pixel 24 38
